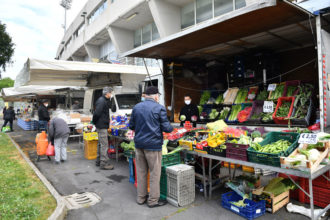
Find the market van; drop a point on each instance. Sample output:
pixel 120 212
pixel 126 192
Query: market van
pixel 126 95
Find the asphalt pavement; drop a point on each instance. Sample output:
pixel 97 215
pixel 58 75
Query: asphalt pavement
pixel 118 195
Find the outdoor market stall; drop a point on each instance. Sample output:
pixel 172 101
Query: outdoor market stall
pixel 256 68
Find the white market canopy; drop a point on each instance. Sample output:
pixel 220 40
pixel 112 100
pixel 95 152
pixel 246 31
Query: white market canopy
pixel 70 73
pixel 30 91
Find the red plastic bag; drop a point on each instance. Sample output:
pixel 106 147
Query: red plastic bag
pixel 50 150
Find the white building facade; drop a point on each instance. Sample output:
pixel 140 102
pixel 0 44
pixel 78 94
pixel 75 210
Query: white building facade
pixel 106 29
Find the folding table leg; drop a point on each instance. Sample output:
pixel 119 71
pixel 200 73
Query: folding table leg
pixel 311 197
pixel 204 178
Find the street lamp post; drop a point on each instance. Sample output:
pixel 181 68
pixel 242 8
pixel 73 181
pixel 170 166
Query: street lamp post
pixel 66 4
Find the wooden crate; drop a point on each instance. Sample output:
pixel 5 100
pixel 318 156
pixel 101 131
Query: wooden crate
pixel 273 203
pixel 310 166
pixel 231 96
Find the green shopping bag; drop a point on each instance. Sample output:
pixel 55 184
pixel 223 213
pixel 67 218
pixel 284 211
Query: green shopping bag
pixel 6 129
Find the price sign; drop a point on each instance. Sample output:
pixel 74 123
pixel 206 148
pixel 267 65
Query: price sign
pixel 251 96
pixel 308 138
pixel 271 87
pixel 268 106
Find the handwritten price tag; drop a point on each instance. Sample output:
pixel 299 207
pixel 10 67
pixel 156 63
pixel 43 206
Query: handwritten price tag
pixel 271 87
pixel 268 106
pixel 307 138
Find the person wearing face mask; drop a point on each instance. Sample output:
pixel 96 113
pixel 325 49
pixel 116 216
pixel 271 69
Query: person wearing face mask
pixel 101 120
pixel 149 121
pixel 189 111
pixel 143 97
pixel 43 115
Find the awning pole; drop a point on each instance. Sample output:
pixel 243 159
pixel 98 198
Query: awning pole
pixel 319 55
pixel 145 65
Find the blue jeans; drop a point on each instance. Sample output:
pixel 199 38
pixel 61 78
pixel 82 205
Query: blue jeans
pixel 43 125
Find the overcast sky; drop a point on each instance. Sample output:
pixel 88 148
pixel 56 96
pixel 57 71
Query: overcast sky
pixel 35 27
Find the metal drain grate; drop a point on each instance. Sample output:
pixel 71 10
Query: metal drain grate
pixel 81 200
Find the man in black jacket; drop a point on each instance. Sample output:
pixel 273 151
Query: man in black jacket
pixel 189 111
pixel 149 121
pixel 43 115
pixel 9 116
pixel 101 120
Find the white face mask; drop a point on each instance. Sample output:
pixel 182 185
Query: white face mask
pixel 46 105
pixel 187 102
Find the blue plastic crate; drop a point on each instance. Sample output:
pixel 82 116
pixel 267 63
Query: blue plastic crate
pixel 131 170
pixel 251 211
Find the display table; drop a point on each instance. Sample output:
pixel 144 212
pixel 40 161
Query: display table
pixel 116 140
pixel 310 176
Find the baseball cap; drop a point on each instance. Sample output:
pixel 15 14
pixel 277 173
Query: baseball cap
pixel 152 90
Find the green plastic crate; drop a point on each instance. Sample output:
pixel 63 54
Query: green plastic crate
pixel 163 184
pixel 171 159
pixel 273 159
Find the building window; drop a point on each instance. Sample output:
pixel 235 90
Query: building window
pixel 239 4
pixel 203 10
pixel 98 11
pixel 222 7
pixel 188 15
pixel 145 34
pixel 155 34
pixel 79 30
pixel 137 38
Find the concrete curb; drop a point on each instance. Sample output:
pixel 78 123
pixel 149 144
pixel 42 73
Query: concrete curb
pixel 61 209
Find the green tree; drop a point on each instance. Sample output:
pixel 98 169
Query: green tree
pixel 6 48
pixel 6 82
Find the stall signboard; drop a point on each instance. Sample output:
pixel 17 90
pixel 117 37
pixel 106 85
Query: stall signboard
pixel 307 138
pixel 268 107
pixel 271 87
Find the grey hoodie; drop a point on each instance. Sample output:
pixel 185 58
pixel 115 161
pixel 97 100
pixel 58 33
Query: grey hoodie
pixel 58 128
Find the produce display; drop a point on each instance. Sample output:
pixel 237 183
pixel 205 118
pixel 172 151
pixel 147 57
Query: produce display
pixel 244 114
pixel 234 112
pixel 266 117
pixel 262 96
pixel 277 93
pixel 290 90
pixel 283 110
pixel 241 96
pixel 214 114
pixel 219 99
pixel 311 153
pixel 235 96
pixel 224 113
pixel 302 101
pixel 128 146
pixel 273 148
pixel 206 95
pixel 253 91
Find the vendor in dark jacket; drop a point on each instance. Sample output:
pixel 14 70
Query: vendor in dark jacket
pixel 101 120
pixel 190 111
pixel 43 115
pixel 149 121
pixel 9 116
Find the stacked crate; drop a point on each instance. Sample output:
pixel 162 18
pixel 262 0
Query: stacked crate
pixel 180 185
